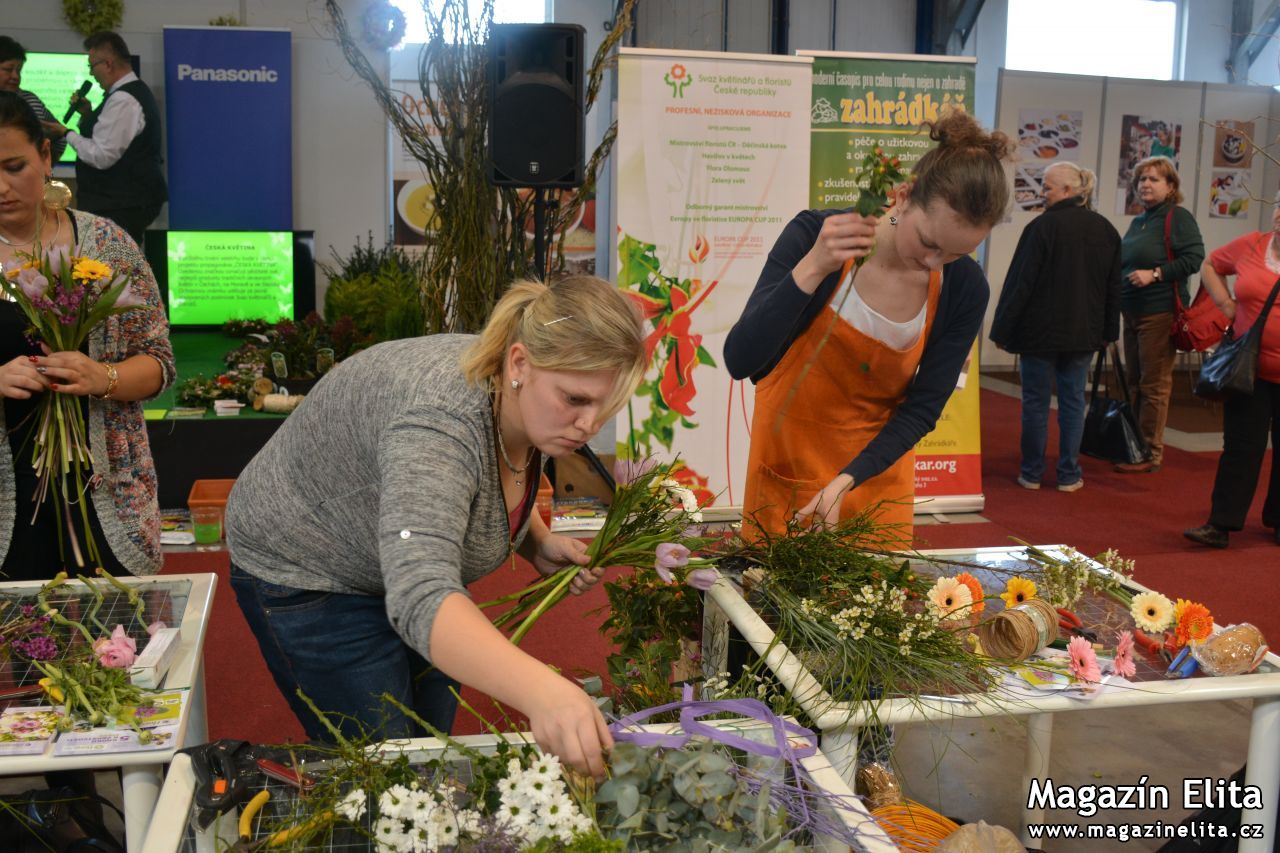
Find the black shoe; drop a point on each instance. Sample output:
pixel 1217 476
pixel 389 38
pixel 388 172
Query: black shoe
pixel 1208 534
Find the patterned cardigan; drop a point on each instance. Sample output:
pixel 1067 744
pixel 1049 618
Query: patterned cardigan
pixel 117 433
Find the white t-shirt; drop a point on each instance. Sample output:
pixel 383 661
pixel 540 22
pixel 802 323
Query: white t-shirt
pixel 857 313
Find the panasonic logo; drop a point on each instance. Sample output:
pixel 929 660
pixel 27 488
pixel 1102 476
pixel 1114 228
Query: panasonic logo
pixel 261 74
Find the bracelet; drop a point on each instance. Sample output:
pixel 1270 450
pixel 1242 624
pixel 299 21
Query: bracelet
pixel 113 379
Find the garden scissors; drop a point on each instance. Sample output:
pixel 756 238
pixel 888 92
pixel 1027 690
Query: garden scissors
pixel 224 770
pixel 1070 623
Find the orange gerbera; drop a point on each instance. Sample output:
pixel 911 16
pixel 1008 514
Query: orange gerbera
pixel 1195 622
pixel 975 590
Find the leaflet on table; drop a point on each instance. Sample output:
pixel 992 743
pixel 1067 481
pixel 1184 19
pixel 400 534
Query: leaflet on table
pixel 27 731
pixel 160 720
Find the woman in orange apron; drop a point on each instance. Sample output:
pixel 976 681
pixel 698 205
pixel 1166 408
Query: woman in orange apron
pixel 851 371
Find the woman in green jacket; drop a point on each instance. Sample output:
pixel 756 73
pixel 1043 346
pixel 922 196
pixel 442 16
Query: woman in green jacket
pixel 1160 251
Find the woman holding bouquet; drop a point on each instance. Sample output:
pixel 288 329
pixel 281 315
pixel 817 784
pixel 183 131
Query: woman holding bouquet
pixel 127 359
pixel 886 346
pixel 409 472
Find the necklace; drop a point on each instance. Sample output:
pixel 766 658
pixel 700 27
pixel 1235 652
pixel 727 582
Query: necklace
pixel 516 472
pixel 34 235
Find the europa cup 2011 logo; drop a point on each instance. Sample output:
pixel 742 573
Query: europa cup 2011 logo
pixel 677 78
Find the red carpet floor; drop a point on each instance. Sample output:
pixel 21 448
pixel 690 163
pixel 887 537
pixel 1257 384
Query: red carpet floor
pixel 1142 516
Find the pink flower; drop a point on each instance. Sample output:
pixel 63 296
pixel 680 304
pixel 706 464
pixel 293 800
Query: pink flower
pixel 155 626
pixel 59 260
pixel 118 651
pixel 670 555
pixel 1124 655
pixel 702 579
pixel 1084 662
pixel 33 284
pixel 627 470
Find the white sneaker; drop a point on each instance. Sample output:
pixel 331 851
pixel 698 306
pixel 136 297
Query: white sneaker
pixel 1072 487
pixel 1027 484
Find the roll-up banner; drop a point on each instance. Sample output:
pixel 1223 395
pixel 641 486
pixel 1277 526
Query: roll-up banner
pixel 228 98
pixel 861 101
pixel 712 161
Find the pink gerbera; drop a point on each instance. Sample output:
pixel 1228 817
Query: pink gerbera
pixel 1084 662
pixel 1124 655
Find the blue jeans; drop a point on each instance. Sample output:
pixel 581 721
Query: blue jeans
pixel 342 653
pixel 1039 372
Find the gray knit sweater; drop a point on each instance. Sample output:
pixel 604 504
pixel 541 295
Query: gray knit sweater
pixel 384 481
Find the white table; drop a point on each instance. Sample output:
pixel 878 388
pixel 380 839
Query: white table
pixel 143 772
pixel 839 721
pixel 171 828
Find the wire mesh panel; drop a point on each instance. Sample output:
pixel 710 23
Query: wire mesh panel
pixel 95 603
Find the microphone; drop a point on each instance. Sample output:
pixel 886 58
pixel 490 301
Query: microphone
pixel 80 93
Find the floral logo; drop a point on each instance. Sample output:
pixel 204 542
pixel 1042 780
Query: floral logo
pixel 677 78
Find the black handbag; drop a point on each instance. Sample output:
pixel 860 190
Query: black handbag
pixel 1230 370
pixel 1110 428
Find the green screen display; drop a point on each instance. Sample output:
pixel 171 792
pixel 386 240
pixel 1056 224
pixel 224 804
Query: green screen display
pixel 215 276
pixel 53 77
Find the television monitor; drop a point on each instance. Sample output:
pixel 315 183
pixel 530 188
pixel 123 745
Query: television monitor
pixel 209 277
pixel 53 77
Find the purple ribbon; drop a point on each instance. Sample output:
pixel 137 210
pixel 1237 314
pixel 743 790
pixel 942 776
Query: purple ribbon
pixel 690 712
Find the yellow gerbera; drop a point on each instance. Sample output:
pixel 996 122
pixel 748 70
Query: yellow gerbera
pixel 87 269
pixel 1018 590
pixel 1152 611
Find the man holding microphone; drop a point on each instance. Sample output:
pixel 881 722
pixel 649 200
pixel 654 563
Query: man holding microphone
pixel 118 172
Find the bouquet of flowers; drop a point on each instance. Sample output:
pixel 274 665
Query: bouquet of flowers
pixel 64 297
pixel 649 524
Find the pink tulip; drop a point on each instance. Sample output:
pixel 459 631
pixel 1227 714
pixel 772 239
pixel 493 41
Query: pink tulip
pixel 702 579
pixel 671 555
pixel 33 284
pixel 627 470
pixel 118 651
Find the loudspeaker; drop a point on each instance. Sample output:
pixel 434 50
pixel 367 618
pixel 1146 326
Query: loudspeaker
pixel 535 105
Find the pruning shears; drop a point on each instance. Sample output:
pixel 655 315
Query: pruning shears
pixel 1070 623
pixel 224 771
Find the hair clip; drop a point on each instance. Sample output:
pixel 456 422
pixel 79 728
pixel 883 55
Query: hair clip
pixel 560 320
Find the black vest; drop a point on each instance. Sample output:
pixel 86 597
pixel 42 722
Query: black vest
pixel 135 180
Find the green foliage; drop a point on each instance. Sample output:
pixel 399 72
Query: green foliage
pixel 89 16
pixel 382 291
pixel 685 799
pixel 647 621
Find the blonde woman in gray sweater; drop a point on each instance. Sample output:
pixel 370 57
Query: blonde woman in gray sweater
pixel 408 473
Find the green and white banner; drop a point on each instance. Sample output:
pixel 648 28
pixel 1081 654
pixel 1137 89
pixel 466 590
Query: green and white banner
pixel 864 101
pixel 712 161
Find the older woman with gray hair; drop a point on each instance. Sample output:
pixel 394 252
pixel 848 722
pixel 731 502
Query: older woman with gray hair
pixel 1060 304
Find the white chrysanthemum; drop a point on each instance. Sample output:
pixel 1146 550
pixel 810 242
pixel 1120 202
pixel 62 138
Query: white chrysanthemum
pixel 390 835
pixel 396 801
pixel 353 805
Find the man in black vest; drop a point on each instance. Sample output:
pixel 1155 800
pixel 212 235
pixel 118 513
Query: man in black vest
pixel 118 173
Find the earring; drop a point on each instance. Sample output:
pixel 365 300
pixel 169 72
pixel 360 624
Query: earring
pixel 515 384
pixel 893 220
pixel 57 195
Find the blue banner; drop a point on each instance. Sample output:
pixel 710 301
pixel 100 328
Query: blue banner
pixel 229 111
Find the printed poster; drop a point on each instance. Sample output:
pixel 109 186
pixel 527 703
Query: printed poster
pixel 1231 173
pixel 860 101
pixel 1045 137
pixel 713 160
pixel 1142 137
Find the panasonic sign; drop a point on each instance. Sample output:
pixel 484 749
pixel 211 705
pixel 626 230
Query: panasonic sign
pixel 261 74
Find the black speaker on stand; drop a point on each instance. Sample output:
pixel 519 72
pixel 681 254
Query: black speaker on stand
pixel 536 134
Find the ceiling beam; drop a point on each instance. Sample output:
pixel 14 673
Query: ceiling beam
pixel 1253 37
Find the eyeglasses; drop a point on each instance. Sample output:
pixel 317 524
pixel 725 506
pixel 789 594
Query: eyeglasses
pixel 96 62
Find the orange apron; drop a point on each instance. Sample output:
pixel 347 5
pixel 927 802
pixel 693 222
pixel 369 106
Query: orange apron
pixel 846 398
